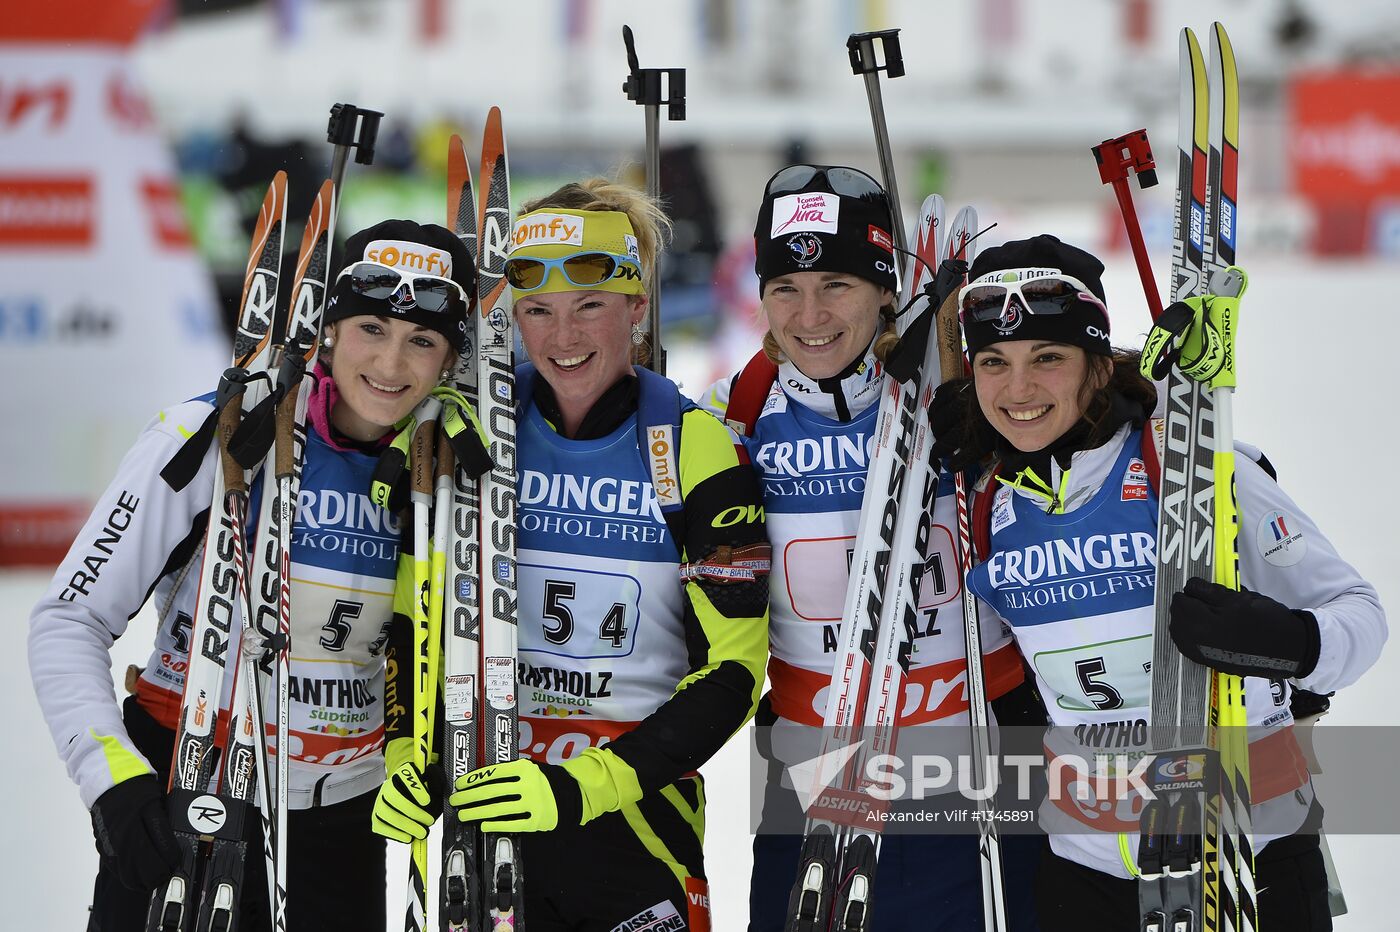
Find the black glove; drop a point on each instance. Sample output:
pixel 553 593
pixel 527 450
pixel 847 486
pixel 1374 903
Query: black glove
pixel 947 422
pixel 1243 632
pixel 133 833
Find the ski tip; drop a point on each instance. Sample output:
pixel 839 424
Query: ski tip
pixel 318 225
pixel 274 206
pixel 1221 38
pixel 960 234
pixel 1192 44
pixel 461 209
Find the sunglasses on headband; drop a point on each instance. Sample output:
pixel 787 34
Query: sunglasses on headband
pixel 383 282
pixel 1044 292
pixel 848 182
pixel 582 269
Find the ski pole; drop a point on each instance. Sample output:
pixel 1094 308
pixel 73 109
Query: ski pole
pixel 351 127
pixel 1116 158
pixel 643 87
pixel 983 766
pixel 424 441
pixel 861 47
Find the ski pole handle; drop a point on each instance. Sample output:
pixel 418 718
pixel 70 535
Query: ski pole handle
pixel 289 375
pixel 1116 158
pixel 643 87
pixel 864 62
pixel 861 48
pixel 351 127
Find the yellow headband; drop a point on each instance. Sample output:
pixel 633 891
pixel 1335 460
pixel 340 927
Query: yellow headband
pixel 555 233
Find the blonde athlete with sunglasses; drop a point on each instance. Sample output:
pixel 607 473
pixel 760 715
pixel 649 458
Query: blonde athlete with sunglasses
pixel 826 268
pixel 1069 534
pixel 394 323
pixel 643 588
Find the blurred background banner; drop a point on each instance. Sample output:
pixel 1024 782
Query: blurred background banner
pixel 1345 157
pixel 100 286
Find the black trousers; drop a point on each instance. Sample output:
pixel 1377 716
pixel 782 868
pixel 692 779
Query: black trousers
pixel 643 872
pixel 335 864
pixel 1289 876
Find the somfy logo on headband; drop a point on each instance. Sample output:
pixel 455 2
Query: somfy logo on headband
pixel 398 254
pixel 547 230
pixel 805 213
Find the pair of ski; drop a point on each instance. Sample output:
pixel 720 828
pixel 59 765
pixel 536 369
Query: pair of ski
pixel 836 869
pixel 259 405
pixel 1196 851
pixel 465 620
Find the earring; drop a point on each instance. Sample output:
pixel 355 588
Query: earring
pixel 637 336
pixel 328 342
pixel 446 373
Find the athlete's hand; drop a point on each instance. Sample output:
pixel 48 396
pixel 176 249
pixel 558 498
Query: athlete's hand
pixel 948 422
pixel 518 796
pixel 410 800
pixel 1242 632
pixel 134 835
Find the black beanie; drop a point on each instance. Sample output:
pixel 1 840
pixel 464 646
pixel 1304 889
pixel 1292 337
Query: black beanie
pixel 816 230
pixel 415 248
pixel 1084 323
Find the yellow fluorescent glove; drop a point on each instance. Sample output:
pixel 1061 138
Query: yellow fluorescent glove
pixel 605 782
pixel 516 796
pixel 409 803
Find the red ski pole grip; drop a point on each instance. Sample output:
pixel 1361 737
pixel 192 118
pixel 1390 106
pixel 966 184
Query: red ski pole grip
pixel 1116 159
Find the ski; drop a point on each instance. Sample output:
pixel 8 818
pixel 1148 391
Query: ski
pixel 266 633
pixel 459 889
pixel 979 721
pixel 1228 707
pixel 836 870
pixel 1171 889
pixel 1195 850
pixel 268 652
pixel 200 819
pixel 494 344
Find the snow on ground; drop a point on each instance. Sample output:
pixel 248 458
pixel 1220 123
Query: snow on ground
pixel 1316 358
